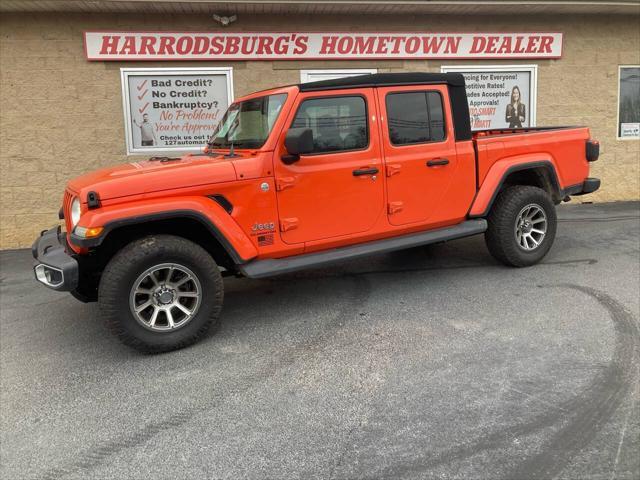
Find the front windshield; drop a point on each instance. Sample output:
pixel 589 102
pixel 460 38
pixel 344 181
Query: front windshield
pixel 248 124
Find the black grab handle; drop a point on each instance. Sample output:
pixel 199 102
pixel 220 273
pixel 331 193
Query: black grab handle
pixel 365 171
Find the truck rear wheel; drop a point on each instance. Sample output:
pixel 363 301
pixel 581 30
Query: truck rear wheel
pixel 522 225
pixel 161 293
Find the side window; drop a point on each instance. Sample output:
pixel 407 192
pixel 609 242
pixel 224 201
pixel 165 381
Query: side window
pixel 415 117
pixel 338 123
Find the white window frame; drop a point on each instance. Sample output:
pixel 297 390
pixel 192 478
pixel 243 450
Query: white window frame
pixel 618 137
pixel 306 75
pixel 125 73
pixel 532 69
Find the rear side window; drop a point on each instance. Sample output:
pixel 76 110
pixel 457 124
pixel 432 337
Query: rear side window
pixel 415 117
pixel 337 123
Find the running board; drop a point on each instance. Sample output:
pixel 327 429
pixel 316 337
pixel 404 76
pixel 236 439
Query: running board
pixel 277 266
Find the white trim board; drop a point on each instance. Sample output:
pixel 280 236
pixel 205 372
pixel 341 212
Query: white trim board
pixel 327 74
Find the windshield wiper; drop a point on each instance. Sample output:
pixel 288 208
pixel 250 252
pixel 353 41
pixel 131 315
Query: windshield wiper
pixel 210 146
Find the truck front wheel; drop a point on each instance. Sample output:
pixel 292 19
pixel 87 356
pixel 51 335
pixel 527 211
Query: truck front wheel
pixel 522 225
pixel 160 293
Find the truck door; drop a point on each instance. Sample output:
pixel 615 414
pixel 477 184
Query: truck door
pixel 419 151
pixel 337 189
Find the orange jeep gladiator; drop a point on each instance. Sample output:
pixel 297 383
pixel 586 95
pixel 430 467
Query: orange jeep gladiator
pixel 302 176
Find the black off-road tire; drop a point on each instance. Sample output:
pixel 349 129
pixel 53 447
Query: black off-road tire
pixel 129 263
pixel 500 236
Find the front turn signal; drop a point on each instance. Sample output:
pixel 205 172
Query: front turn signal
pixel 84 232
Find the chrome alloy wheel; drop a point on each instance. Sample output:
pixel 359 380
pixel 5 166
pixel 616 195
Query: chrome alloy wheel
pixel 165 297
pixel 531 227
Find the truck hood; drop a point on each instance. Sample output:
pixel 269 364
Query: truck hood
pixel 148 176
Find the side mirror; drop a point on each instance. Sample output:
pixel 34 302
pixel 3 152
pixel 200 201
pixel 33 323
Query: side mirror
pixel 297 142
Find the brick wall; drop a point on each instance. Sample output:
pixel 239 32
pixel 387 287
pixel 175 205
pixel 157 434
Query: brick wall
pixel 61 115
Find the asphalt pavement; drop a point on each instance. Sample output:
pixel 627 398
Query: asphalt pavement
pixel 435 362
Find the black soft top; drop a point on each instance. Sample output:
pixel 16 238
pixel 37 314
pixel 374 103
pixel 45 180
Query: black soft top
pixel 385 79
pixel 454 82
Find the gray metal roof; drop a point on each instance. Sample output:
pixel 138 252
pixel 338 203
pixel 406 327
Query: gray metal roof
pixel 328 7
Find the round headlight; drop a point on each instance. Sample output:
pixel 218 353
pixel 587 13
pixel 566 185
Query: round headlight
pixel 75 211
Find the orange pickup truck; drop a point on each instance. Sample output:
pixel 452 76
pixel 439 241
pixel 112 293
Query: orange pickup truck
pixel 298 177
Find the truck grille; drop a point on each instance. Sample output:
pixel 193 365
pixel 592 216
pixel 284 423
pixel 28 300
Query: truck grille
pixel 66 208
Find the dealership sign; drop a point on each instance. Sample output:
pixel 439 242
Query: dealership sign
pixel 115 45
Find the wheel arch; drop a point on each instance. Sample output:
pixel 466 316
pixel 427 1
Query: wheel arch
pixel 199 219
pixel 536 173
pixel 187 224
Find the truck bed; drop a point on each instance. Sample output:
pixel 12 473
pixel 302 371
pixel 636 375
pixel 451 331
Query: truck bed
pixel 563 147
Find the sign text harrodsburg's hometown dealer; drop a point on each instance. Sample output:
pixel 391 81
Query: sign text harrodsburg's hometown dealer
pixel 114 45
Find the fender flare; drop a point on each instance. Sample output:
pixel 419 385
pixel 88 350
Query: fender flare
pixel 201 209
pixel 483 202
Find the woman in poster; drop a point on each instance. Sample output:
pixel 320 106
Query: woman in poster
pixel 515 115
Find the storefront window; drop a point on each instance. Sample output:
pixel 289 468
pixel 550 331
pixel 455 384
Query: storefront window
pixel 173 109
pixel 500 96
pixel 629 103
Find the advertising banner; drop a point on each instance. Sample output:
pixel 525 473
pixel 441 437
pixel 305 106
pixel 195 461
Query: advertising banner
pixel 136 46
pixel 500 96
pixel 173 109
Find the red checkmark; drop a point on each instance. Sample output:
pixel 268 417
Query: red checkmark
pixel 140 96
pixel 141 86
pixel 143 108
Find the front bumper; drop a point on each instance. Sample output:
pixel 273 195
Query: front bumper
pixel 54 267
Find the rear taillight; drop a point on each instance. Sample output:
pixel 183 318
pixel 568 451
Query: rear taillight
pixel 593 150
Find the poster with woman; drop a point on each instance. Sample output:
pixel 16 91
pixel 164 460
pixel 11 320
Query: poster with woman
pixel 500 96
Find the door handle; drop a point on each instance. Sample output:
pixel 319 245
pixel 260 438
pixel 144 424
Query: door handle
pixel 365 171
pixel 438 162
